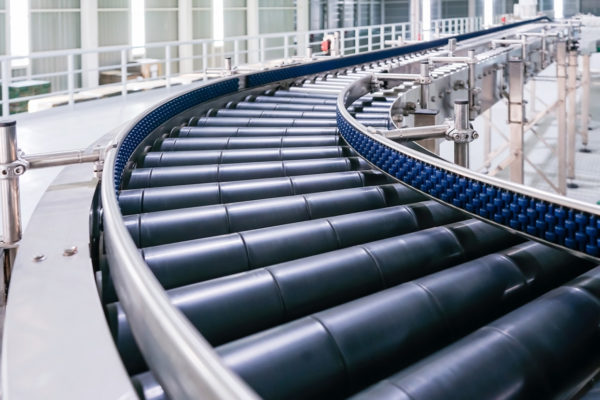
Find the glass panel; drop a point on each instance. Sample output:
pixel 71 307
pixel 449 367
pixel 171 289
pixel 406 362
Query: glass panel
pixel 54 4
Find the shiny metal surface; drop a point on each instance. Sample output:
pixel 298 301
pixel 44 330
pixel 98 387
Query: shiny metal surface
pixel 561 114
pixel 184 363
pixel 62 158
pixel 360 88
pixel 56 343
pixel 9 183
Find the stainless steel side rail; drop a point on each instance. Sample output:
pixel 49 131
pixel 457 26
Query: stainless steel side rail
pixel 182 360
pixel 362 87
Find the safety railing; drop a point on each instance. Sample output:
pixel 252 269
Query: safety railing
pixel 47 79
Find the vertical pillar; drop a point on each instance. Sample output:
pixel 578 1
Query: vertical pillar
pixel 9 198
pixel 185 34
pixel 487 138
pixel 488 99
pixel 302 25
pixel 473 98
pixel 89 40
pixel 585 99
pixel 571 114
pixel 561 120
pixel 461 124
pixel 532 98
pixel 424 84
pixel 252 29
pixel 7 48
pixel 415 17
pixel 515 118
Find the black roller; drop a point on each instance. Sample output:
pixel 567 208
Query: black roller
pixel 343 348
pixel 203 157
pixel 267 122
pixel 237 113
pixel 135 201
pixel 168 176
pixel 313 284
pixel 546 349
pixel 201 259
pixel 338 350
pixel 244 105
pixel 223 143
pixel 295 100
pixel 227 131
pixel 152 229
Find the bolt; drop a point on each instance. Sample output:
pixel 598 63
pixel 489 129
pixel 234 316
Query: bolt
pixel 39 258
pixel 71 251
pixel 19 170
pixel 4 172
pixel 475 135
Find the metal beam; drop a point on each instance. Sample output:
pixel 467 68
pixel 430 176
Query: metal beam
pixel 561 145
pixel 516 74
pixel 571 113
pixel 89 40
pixel 185 33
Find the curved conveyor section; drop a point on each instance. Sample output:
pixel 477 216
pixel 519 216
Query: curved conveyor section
pixel 314 274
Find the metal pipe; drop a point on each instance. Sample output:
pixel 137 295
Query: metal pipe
pixel 62 158
pixel 571 113
pixel 561 145
pixel 472 88
pixel 450 60
pixel 424 84
pixel 416 133
pixel 228 64
pixel 451 47
pixel 398 77
pixel 516 71
pixel 9 198
pixel 9 183
pixel 585 99
pixel 461 124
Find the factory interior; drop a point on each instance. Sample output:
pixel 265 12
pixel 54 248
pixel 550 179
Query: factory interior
pixel 299 199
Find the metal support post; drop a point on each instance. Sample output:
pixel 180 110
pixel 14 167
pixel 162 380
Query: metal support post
pixel 425 84
pixel 532 97
pixel 10 170
pixel 571 114
pixel 585 100
pixel 461 133
pixel 427 118
pixel 451 47
pixel 228 65
pixel 168 65
pixel 473 101
pixel 71 78
pixel 516 73
pixel 335 46
pixel 5 88
pixel 561 83
pixel 123 72
pixel 487 138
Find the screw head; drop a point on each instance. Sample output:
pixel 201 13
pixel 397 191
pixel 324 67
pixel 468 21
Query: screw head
pixel 19 170
pixel 71 251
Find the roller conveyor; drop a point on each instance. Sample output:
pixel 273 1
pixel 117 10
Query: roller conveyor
pixel 315 275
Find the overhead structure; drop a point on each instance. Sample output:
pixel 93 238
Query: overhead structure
pixel 294 233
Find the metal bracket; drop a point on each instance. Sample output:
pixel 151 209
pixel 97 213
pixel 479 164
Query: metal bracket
pixel 13 169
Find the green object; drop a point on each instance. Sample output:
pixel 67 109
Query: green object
pixel 25 89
